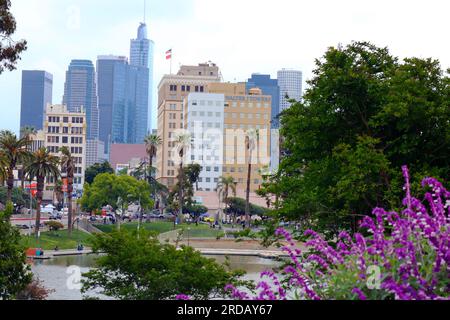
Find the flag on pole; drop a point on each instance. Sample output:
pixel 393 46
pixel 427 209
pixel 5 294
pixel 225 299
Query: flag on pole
pixel 169 54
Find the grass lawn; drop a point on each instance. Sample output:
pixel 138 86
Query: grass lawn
pixel 49 240
pixel 200 231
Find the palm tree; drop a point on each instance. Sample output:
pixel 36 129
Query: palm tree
pixel 26 132
pixel 183 142
pixel 58 191
pixel 227 183
pixel 14 151
pixel 68 167
pixel 152 142
pixel 41 165
pixel 223 188
pixel 251 141
pixel 3 166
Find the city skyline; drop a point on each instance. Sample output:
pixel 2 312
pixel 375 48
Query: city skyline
pixel 237 56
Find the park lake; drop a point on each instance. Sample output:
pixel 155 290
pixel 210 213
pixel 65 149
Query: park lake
pixel 55 273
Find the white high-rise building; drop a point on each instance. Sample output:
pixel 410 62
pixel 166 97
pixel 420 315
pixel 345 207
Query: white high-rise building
pixel 291 84
pixel 204 120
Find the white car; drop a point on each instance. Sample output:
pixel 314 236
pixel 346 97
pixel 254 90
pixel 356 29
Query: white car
pixel 48 209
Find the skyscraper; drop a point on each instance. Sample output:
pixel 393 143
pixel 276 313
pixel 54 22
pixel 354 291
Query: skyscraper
pixel 36 93
pixel 290 82
pixel 80 90
pixel 142 57
pixel 112 98
pixel 269 87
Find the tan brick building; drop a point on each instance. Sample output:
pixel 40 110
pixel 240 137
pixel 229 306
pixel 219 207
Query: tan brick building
pixel 243 112
pixel 171 93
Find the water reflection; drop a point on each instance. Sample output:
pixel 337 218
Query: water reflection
pixel 54 274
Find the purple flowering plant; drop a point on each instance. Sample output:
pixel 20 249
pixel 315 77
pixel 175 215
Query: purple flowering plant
pixel 401 256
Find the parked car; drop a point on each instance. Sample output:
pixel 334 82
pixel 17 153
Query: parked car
pixel 48 209
pixel 55 215
pixel 168 216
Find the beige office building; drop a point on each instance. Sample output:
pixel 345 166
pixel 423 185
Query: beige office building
pixel 244 111
pixel 66 129
pixel 172 91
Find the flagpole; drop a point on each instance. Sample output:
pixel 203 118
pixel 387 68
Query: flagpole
pixel 171 58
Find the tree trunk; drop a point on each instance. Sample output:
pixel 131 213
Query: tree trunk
pixel 70 175
pixel 118 219
pixel 39 195
pixel 69 205
pixel 10 183
pixel 247 194
pixel 180 193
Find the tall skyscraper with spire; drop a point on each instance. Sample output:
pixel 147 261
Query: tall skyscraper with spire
pixel 141 58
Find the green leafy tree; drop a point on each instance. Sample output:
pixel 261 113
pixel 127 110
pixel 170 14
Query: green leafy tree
pixel 10 49
pixel 19 197
pixel 141 268
pixel 15 275
pixel 117 191
pixel 96 169
pixel 237 206
pixel 364 115
pixel 42 165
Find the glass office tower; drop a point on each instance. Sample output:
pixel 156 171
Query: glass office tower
pixel 36 93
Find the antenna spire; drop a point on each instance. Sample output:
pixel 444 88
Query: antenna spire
pixel 145 10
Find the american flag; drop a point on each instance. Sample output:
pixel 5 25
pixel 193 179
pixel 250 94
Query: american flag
pixel 169 54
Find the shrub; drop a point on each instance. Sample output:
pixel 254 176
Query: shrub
pixel 54 225
pixel 401 256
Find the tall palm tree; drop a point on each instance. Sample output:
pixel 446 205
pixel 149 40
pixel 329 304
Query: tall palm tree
pixel 26 132
pixel 14 151
pixel 152 142
pixel 227 183
pixel 41 165
pixel 58 191
pixel 251 141
pixel 183 142
pixel 223 188
pixel 68 167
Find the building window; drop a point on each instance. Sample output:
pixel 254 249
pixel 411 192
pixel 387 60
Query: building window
pixel 173 88
pixel 65 139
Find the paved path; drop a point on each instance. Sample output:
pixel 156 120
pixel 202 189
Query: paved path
pixel 205 251
pixel 48 254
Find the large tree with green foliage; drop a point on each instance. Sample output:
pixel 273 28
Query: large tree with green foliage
pixel 116 191
pixel 141 268
pixel 364 115
pixel 96 169
pixel 10 49
pixel 19 197
pixel 15 275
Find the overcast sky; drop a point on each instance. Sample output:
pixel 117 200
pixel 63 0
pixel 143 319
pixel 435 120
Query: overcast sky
pixel 241 36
